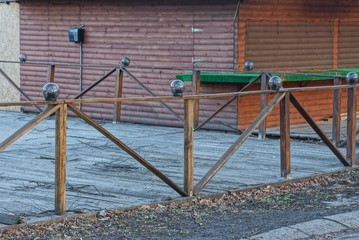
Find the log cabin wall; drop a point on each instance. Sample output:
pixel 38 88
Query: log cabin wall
pixel 292 35
pixel 299 34
pixel 275 34
pixel 153 33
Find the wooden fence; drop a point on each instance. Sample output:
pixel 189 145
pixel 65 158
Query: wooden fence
pixel 282 97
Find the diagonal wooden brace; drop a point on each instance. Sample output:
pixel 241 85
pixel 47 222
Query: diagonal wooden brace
pixel 235 146
pixel 127 149
pixel 28 127
pixel 318 130
pixel 153 95
pixel 252 82
pixel 17 88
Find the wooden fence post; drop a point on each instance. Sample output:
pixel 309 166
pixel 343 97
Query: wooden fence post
pixel 351 126
pixel 263 102
pixel 188 146
pixel 337 102
pixel 196 85
pixel 285 136
pixel 60 160
pixel 51 73
pixel 118 94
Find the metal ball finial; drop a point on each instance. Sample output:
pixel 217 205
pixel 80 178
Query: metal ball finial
pixel 125 62
pixel 22 57
pixel 275 83
pixel 248 65
pixel 177 87
pixel 352 78
pixel 51 91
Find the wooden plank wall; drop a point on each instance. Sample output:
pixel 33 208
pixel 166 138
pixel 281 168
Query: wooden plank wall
pixel 290 45
pixel 348 44
pixel 299 35
pixel 151 33
pixel 288 35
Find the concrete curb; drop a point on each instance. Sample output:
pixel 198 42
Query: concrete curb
pixel 326 225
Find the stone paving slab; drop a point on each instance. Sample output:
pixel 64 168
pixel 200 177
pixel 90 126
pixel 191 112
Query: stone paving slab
pixel 351 220
pixel 319 227
pixel 284 233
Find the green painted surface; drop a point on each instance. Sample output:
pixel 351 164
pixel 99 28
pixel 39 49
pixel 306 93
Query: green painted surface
pixel 247 77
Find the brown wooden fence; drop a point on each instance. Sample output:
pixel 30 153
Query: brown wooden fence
pixel 282 97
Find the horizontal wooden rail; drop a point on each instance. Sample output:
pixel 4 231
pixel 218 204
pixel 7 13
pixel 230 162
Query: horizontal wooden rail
pixel 76 65
pixel 171 98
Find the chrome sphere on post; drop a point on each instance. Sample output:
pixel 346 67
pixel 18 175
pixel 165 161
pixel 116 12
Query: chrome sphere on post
pixel 177 87
pixel 248 65
pixel 51 91
pixel 22 57
pixel 352 78
pixel 275 83
pixel 125 62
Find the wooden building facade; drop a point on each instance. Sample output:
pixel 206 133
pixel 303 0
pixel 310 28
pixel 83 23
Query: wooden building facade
pixel 275 34
pixel 299 35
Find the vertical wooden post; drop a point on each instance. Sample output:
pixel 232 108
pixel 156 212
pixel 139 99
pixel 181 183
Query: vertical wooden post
pixel 118 94
pixel 285 137
pixel 188 146
pixel 337 102
pixel 263 103
pixel 242 29
pixel 51 73
pixel 196 85
pixel 351 126
pixel 60 160
pixel 335 42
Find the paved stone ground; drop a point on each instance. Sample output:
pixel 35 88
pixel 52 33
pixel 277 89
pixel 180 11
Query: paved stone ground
pixel 100 175
pixel 324 228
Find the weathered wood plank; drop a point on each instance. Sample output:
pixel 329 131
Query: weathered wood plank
pixel 196 90
pixel 51 73
pixel 204 96
pixel 118 94
pixel 262 105
pixel 337 104
pixel 351 126
pixel 335 42
pixel 189 146
pixel 60 160
pixel 285 137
